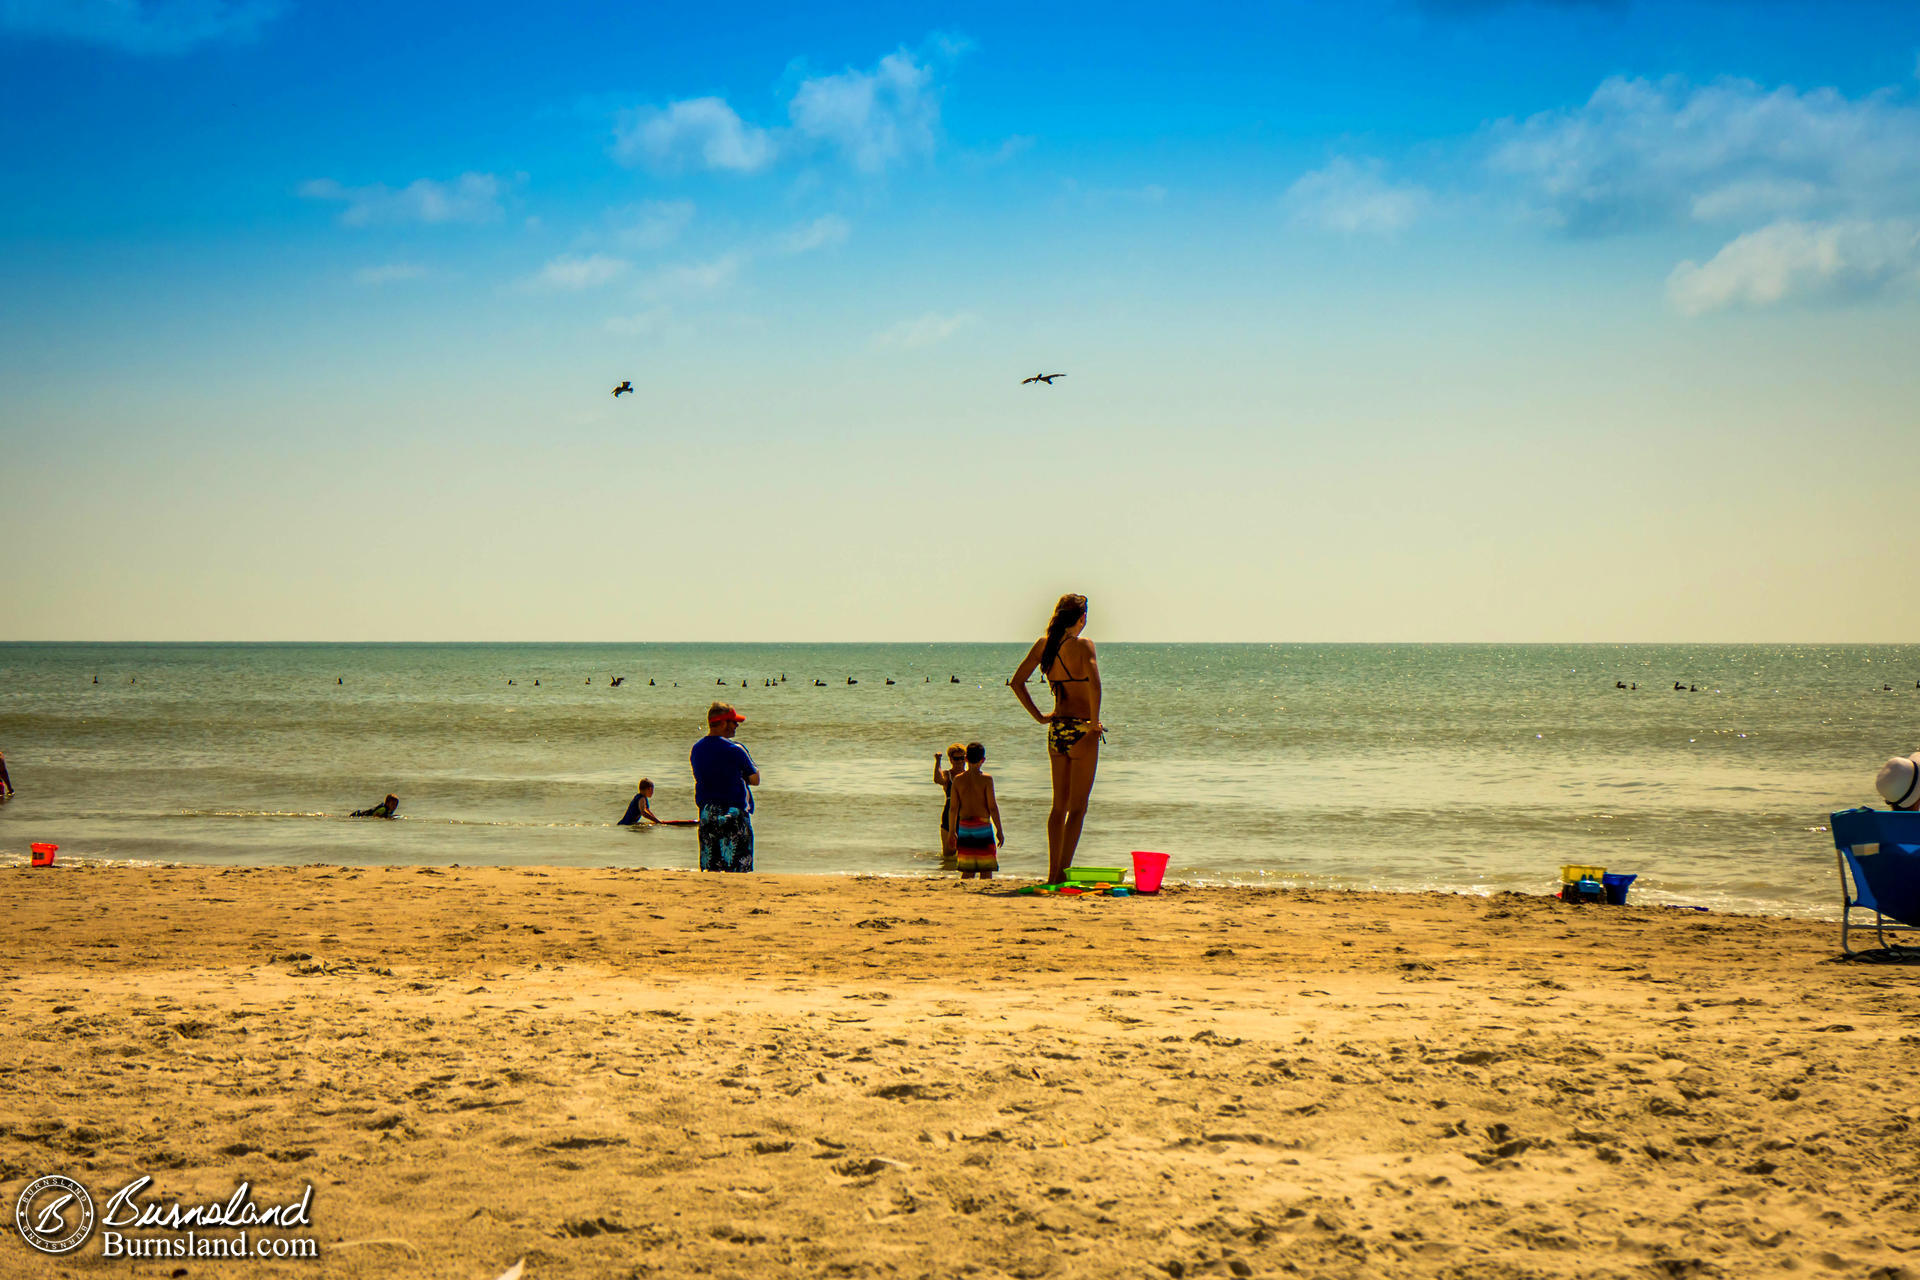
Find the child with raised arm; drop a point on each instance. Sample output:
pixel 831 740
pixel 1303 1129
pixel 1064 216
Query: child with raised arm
pixel 975 822
pixel 957 762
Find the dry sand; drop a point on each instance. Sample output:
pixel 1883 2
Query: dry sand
pixel 647 1073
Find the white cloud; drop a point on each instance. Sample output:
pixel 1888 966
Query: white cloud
pixel 925 331
pixel 873 117
pixel 1644 153
pixel 831 229
pixel 1014 146
pixel 702 133
pixel 140 26
pixel 641 324
pixel 652 224
pixel 472 197
pixel 701 277
pixel 571 273
pixel 389 273
pixel 1355 199
pixel 1791 259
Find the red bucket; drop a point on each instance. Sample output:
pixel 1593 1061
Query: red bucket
pixel 1148 868
pixel 43 854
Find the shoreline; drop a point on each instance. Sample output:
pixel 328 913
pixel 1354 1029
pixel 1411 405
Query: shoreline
pixel 929 870
pixel 654 1073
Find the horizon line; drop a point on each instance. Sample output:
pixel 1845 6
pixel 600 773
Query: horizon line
pixel 1564 644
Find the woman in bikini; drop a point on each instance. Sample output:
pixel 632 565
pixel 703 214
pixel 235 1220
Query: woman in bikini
pixel 1074 731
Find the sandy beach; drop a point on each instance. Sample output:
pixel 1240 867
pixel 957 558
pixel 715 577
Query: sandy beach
pixel 615 1073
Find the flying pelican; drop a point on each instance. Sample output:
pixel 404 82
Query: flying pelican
pixel 623 388
pixel 1042 377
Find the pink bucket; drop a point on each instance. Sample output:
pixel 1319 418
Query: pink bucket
pixel 1148 868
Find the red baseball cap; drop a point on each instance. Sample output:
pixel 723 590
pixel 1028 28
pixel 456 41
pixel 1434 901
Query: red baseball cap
pixel 722 713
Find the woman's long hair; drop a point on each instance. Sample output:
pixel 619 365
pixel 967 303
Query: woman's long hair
pixel 1070 610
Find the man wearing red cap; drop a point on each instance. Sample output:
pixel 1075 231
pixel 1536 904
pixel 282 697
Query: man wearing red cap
pixel 722 774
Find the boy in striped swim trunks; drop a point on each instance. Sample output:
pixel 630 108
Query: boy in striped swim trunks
pixel 974 818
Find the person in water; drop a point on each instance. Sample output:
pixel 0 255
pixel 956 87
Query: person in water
pixel 977 830
pixel 640 808
pixel 385 809
pixel 723 778
pixel 956 758
pixel 1074 731
pixel 6 781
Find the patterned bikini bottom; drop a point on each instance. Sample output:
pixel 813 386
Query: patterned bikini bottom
pixel 1065 732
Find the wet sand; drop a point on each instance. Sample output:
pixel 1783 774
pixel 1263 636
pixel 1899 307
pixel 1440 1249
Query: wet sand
pixel 652 1073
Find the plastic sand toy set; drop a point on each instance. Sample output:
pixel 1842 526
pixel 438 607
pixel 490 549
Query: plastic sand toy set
pixel 1108 882
pixel 1595 885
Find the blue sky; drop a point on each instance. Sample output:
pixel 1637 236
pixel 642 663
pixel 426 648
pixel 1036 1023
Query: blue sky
pixel 1403 320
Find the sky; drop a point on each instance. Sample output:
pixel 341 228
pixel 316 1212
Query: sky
pixel 1392 320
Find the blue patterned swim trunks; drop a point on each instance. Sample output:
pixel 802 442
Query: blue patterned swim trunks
pixel 726 838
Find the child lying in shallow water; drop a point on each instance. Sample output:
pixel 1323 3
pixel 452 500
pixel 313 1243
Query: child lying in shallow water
pixel 385 809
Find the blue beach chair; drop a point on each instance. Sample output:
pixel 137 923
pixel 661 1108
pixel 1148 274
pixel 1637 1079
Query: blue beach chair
pixel 1880 851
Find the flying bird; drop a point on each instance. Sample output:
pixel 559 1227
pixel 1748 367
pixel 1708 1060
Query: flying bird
pixel 622 389
pixel 1042 377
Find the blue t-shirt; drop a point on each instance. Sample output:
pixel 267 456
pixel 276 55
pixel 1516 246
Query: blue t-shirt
pixel 720 769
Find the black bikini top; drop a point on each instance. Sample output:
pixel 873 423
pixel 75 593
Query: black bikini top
pixel 1066 679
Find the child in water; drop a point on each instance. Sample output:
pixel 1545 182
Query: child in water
pixel 640 807
pixel 956 758
pixel 975 822
pixel 385 809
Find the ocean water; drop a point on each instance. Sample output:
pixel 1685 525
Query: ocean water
pixel 1458 767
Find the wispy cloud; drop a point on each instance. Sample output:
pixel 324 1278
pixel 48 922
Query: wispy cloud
pixel 699 277
pixel 821 233
pixel 389 273
pixel 1643 153
pixel 571 273
pixel 472 197
pixel 925 330
pixel 641 324
pixel 1355 198
pixel 694 133
pixel 1009 149
pixel 1800 260
pixel 872 118
pixel 1819 192
pixel 651 224
pixel 152 27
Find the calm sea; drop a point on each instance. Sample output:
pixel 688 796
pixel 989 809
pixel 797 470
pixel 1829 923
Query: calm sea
pixel 1458 767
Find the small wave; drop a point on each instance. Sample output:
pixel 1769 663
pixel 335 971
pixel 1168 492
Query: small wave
pixel 288 814
pixel 82 859
pixel 502 822
pixel 243 813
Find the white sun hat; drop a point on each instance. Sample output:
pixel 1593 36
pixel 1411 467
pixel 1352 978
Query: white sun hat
pixel 1898 781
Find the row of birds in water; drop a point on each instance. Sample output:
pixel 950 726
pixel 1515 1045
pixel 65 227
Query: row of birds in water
pixel 1694 688
pixel 626 386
